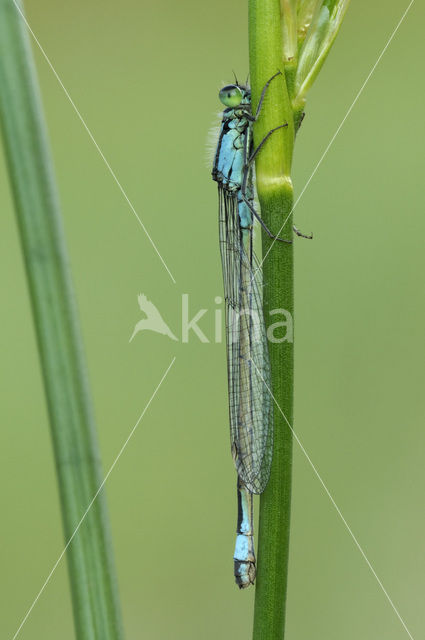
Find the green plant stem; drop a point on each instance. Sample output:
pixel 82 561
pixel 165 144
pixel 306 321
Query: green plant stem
pixel 275 193
pixel 90 559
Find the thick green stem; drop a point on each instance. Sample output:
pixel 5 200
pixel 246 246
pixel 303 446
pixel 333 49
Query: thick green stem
pixel 275 193
pixel 90 560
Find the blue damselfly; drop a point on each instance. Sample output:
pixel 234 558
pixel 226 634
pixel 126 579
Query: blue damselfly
pixel 250 402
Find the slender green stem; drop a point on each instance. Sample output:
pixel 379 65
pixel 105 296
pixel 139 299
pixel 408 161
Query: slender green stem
pixel 90 559
pixel 276 198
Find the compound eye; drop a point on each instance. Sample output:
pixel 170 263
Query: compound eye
pixel 231 95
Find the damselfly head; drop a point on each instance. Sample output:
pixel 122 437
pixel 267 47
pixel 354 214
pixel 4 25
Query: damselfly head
pixel 231 95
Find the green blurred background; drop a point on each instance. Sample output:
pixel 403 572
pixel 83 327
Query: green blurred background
pixel 145 77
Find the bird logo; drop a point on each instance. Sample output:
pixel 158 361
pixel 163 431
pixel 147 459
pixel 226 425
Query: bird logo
pixel 153 320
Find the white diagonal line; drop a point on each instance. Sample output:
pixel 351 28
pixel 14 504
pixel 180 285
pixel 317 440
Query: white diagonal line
pixel 93 499
pixel 324 154
pixel 111 171
pixel 338 510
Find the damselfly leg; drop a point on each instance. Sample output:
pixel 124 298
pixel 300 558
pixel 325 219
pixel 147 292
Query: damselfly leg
pixel 246 174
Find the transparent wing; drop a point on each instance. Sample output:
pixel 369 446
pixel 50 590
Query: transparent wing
pixel 250 402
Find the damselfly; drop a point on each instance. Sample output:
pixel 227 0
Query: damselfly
pixel 250 402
